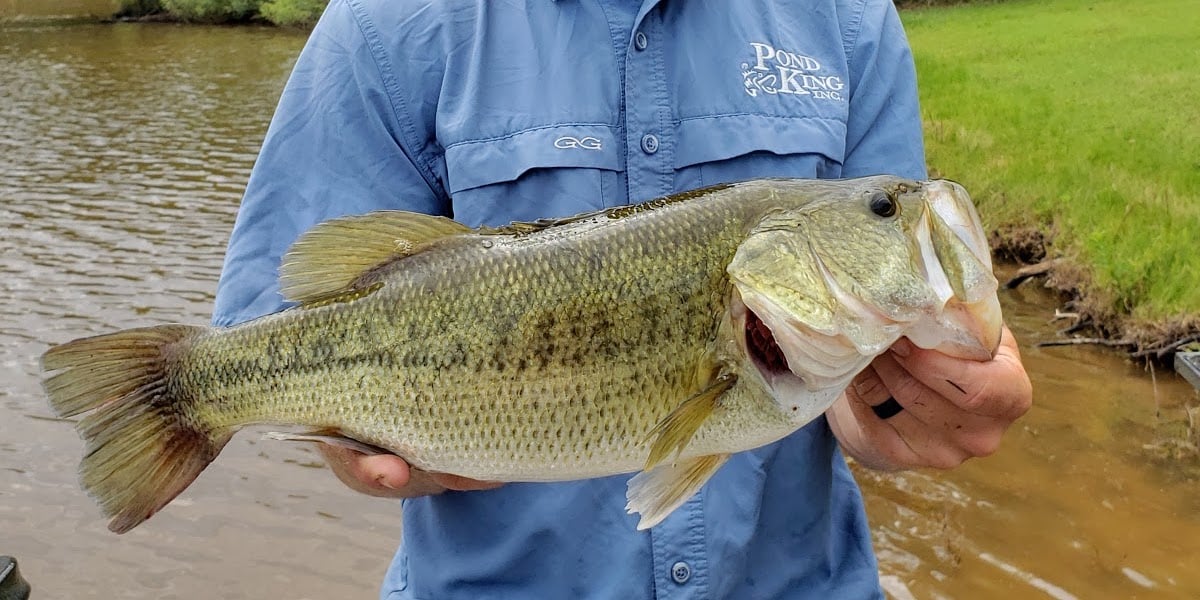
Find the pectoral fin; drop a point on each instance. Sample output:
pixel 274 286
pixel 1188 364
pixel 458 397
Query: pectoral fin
pixel 657 493
pixel 327 436
pixel 674 432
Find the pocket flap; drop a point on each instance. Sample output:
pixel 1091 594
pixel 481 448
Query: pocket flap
pixel 482 162
pixel 708 139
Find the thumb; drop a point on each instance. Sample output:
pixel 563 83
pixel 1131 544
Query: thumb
pixel 367 473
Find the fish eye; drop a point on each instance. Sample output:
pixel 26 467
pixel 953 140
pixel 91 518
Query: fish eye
pixel 882 204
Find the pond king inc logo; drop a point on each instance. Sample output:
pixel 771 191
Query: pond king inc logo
pixel 782 72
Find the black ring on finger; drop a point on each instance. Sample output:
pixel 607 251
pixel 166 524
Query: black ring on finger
pixel 887 409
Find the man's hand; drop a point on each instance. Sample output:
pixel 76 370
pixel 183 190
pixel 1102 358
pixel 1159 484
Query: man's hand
pixel 388 476
pixel 954 409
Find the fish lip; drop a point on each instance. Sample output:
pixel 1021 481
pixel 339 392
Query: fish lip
pixel 968 322
pixel 969 231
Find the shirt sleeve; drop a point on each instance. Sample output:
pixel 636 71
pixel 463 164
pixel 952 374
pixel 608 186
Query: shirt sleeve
pixel 337 145
pixel 883 131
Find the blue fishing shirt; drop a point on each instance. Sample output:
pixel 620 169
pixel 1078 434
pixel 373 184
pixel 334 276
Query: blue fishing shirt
pixel 491 111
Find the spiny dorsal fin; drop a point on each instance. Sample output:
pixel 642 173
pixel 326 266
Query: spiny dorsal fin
pixel 674 432
pixel 329 258
pixel 519 228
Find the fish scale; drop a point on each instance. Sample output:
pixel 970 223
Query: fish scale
pixel 605 343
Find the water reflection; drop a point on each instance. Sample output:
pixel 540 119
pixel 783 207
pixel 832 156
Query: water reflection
pixel 123 151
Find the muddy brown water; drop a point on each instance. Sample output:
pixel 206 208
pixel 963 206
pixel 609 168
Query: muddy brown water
pixel 123 151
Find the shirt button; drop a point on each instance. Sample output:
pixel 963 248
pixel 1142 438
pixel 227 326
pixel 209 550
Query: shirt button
pixel 649 144
pixel 681 572
pixel 640 42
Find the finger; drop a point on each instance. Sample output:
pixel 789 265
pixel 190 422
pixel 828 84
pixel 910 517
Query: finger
pixel 870 389
pixel 997 388
pixel 871 440
pixel 921 402
pixel 371 474
pixel 932 447
pixel 937 432
pixel 386 470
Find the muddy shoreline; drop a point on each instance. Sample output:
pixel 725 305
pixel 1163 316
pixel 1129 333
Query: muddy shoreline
pixel 1085 313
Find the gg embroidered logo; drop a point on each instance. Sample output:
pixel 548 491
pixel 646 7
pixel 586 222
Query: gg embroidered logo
pixel 567 142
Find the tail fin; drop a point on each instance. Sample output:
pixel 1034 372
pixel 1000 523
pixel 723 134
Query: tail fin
pixel 143 447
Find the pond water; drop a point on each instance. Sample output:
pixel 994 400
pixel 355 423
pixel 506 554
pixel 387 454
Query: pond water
pixel 123 152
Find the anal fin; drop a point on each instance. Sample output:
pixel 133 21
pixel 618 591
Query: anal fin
pixel 327 436
pixel 657 493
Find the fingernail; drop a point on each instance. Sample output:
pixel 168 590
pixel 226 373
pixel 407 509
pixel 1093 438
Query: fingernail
pixel 861 388
pixel 902 348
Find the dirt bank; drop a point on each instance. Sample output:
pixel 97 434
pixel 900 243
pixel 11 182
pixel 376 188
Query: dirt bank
pixel 1088 314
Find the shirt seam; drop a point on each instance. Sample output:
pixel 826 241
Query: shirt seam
pixel 666 152
pixel 755 114
pixel 528 130
pixel 698 542
pixel 399 110
pixel 850 42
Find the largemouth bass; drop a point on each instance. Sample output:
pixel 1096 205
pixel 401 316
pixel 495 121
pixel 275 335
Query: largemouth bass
pixel 659 338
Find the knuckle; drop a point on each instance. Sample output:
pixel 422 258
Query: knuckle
pixel 1024 402
pixel 981 444
pixel 978 401
pixel 947 460
pixel 910 390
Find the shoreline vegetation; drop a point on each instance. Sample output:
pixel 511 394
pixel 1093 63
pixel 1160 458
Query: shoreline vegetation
pixel 284 13
pixel 1070 123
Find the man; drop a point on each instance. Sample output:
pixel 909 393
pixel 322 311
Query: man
pixel 492 111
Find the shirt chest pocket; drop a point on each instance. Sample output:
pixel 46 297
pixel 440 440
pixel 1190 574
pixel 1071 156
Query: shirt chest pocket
pixel 537 173
pixel 721 149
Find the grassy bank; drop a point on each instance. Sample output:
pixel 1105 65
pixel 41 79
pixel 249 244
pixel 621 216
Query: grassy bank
pixel 295 13
pixel 56 9
pixel 1077 119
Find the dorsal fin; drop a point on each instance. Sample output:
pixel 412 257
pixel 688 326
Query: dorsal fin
pixel 327 259
pixel 520 228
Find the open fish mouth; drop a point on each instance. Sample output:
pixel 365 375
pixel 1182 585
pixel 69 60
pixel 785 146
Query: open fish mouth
pixel 794 358
pixel 762 348
pixel 803 370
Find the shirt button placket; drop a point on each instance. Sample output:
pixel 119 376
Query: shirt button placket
pixel 647 114
pixel 649 141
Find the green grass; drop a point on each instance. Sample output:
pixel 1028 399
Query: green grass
pixel 1079 117
pixel 291 13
